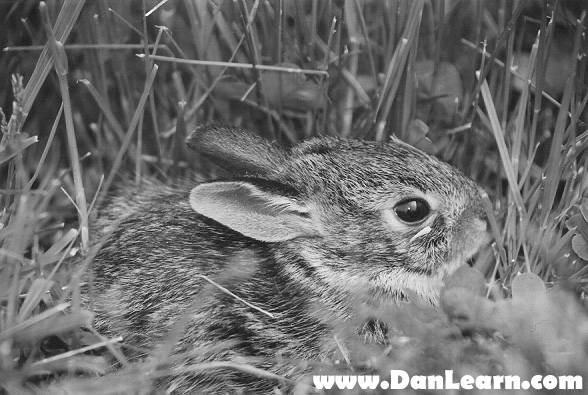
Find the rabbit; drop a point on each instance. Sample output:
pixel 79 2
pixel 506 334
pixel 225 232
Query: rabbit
pixel 273 257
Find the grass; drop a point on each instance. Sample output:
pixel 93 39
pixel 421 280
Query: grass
pixel 132 80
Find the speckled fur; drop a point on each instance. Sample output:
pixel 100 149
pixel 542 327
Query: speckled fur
pixel 147 274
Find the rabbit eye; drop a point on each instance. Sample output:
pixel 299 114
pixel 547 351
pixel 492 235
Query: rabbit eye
pixel 412 210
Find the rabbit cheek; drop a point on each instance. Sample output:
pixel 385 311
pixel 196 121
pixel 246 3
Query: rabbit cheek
pixel 427 246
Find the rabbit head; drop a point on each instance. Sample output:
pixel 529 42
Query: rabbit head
pixel 364 216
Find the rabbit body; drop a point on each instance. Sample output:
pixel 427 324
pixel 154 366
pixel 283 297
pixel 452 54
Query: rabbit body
pixel 306 236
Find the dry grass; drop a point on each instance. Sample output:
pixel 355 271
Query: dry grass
pixel 132 80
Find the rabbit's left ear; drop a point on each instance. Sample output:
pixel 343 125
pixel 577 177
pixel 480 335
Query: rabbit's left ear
pixel 261 212
pixel 237 150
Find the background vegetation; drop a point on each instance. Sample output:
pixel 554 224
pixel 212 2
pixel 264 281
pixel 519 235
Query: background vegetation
pixel 497 88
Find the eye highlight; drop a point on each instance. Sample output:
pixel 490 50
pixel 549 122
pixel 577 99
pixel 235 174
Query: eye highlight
pixel 412 210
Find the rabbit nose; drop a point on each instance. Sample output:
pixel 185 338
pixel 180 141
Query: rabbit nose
pixel 480 226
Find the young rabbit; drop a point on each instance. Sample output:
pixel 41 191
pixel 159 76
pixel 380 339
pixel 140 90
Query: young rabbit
pixel 304 236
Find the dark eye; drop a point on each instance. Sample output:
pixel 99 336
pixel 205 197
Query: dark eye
pixel 412 210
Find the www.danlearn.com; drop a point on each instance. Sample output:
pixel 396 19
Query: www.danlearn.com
pixel 399 379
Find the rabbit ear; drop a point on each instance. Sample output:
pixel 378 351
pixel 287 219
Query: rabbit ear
pixel 236 150
pixel 267 214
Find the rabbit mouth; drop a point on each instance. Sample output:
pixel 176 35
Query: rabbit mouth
pixel 471 260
